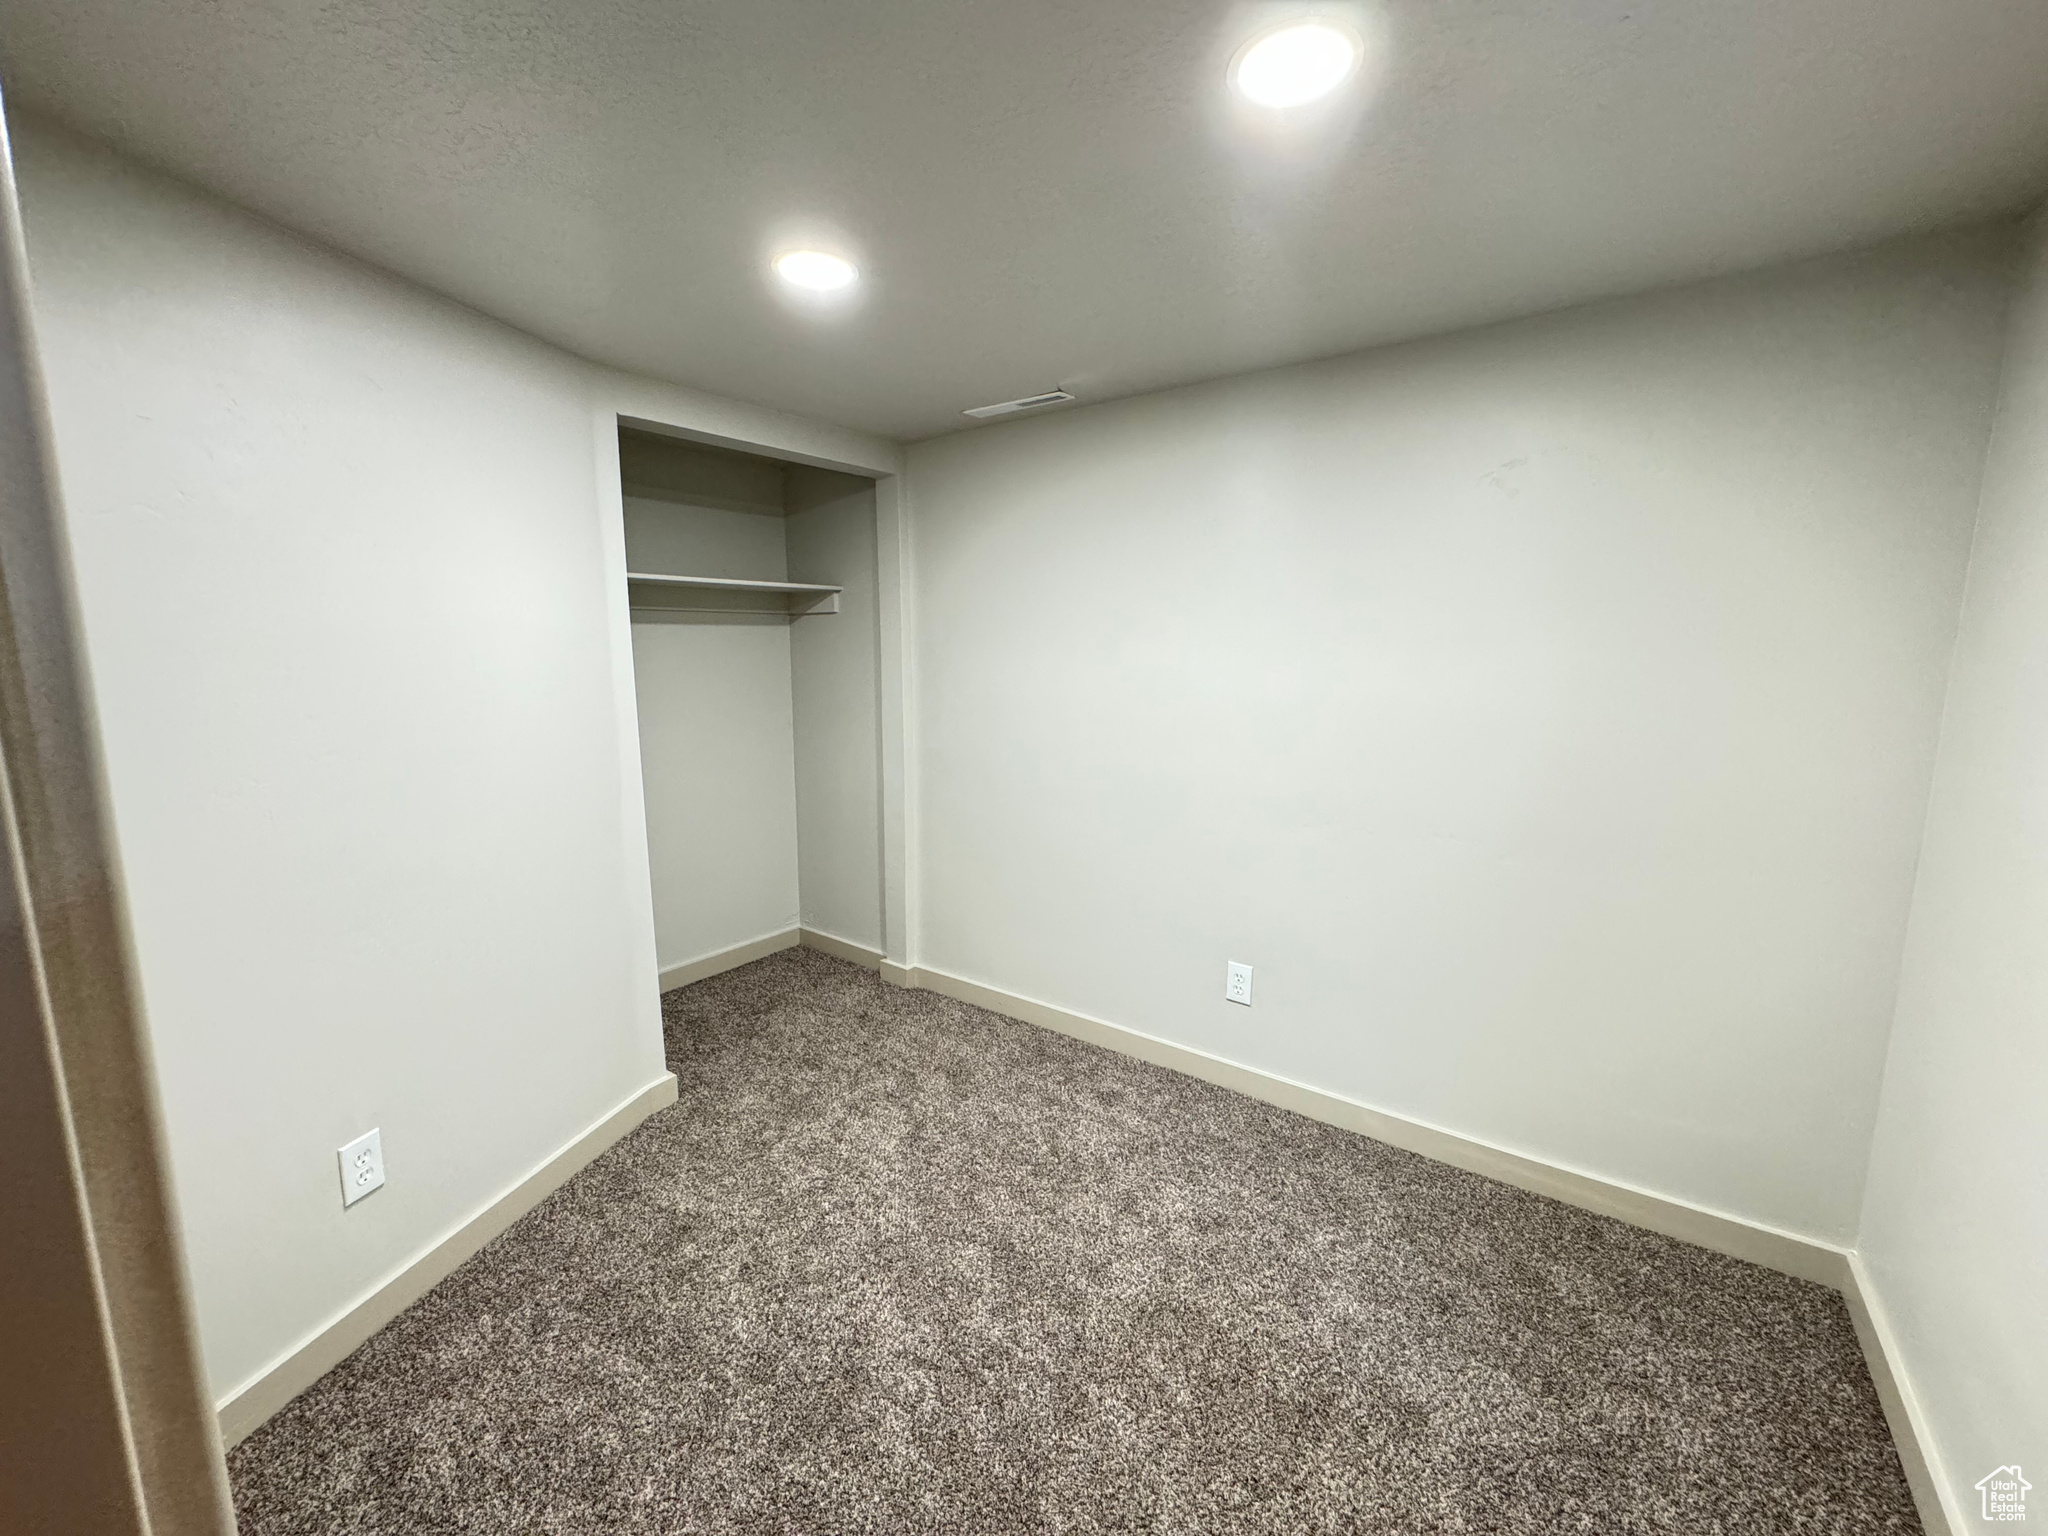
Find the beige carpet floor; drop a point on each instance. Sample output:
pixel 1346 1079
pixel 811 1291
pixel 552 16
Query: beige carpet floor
pixel 896 1264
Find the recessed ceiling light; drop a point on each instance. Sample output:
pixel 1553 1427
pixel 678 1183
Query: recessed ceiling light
pixel 1295 64
pixel 816 271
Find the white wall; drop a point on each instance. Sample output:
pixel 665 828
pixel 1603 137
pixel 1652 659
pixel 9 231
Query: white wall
pixel 834 662
pixel 1545 712
pixel 716 740
pixel 349 569
pixel 1955 1227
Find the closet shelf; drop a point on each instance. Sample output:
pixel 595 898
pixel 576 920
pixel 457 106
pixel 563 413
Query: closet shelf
pixel 727 594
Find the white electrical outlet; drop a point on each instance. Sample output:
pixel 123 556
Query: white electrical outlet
pixel 1237 984
pixel 362 1167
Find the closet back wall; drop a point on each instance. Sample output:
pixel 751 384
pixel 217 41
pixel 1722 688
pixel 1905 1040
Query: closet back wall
pixel 717 754
pixel 1545 712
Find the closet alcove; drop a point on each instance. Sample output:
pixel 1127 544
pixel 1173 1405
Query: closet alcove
pixel 752 588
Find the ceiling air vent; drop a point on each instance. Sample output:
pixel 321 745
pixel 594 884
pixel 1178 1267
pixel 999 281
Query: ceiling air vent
pixel 1028 403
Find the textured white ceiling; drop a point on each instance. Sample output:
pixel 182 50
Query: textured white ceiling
pixel 1047 192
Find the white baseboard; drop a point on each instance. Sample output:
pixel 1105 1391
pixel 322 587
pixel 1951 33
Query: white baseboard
pixel 1911 1433
pixel 256 1399
pixel 683 972
pixel 1789 1252
pixel 1792 1253
pixel 844 949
